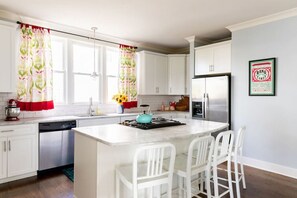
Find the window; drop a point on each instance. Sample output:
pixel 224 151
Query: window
pixel 112 57
pixel 59 72
pixel 85 86
pixel 73 62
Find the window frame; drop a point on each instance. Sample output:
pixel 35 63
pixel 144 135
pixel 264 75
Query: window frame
pixel 69 42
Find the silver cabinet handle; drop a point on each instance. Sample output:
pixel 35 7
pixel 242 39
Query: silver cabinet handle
pixel 9 146
pixel 4 144
pixel 5 131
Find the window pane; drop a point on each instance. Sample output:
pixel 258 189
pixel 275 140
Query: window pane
pixel 58 86
pixel 112 61
pixel 112 88
pixel 57 55
pixel 85 87
pixel 83 59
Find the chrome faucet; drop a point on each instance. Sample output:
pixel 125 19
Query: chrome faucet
pixel 91 110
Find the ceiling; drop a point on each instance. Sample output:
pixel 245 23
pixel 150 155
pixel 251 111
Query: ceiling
pixel 162 23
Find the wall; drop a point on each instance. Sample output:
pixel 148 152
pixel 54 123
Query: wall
pixel 155 103
pixel 271 121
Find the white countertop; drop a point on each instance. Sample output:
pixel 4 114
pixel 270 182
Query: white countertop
pixel 64 118
pixel 116 134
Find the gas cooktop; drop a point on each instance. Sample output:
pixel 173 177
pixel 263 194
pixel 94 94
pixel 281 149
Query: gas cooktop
pixel 156 123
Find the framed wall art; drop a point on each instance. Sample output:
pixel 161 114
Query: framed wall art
pixel 262 77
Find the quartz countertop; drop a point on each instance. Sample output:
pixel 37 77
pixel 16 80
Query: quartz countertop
pixel 64 118
pixel 116 134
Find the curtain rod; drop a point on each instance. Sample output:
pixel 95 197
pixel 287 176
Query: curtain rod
pixel 78 35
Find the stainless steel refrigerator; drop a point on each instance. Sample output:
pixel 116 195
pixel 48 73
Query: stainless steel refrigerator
pixel 211 98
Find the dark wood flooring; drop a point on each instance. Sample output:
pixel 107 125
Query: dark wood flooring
pixel 260 184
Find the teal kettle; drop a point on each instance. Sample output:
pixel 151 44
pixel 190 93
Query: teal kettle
pixel 145 117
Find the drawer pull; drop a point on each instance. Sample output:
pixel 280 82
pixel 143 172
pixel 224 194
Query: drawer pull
pixel 6 131
pixel 9 146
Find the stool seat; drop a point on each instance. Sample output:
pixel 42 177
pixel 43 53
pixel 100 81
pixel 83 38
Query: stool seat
pixel 148 170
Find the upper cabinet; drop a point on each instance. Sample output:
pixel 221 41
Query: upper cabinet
pixel 7 57
pixel 177 74
pixel 213 59
pixel 152 74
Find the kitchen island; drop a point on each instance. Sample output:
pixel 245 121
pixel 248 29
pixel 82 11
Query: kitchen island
pixel 100 149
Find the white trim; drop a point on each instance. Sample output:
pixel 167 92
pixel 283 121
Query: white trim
pixel 271 167
pixel 262 20
pixel 9 179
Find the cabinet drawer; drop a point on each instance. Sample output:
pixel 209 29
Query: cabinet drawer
pixel 18 129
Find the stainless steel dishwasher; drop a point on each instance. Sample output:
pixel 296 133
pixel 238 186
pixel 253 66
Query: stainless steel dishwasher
pixel 56 144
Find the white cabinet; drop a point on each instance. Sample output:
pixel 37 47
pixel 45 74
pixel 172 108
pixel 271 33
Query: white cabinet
pixel 98 121
pixel 19 150
pixel 177 74
pixel 152 74
pixel 213 59
pixel 7 57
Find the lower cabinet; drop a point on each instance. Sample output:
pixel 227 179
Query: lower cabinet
pixel 19 150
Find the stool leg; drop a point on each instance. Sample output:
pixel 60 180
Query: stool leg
pixel 236 177
pixel 189 187
pixel 242 171
pixel 215 181
pixel 207 183
pixel 180 186
pixel 230 178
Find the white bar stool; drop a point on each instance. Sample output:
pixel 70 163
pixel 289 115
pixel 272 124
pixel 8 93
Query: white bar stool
pixel 197 160
pixel 148 169
pixel 237 159
pixel 222 153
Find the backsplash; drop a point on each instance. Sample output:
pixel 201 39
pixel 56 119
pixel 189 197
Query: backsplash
pixel 155 103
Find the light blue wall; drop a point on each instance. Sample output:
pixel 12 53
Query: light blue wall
pixel 271 121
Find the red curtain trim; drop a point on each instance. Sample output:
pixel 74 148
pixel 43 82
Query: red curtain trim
pixel 35 106
pixel 34 27
pixel 127 46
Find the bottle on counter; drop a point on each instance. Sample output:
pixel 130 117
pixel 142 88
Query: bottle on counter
pixel 162 107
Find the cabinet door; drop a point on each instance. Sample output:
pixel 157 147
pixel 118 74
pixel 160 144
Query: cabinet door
pixel 7 57
pixel 177 74
pixel 149 74
pixel 222 58
pixel 22 154
pixel 3 158
pixel 203 60
pixel 161 75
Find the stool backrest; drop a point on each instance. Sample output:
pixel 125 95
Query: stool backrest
pixel 223 145
pixel 199 153
pixel 152 158
pixel 240 139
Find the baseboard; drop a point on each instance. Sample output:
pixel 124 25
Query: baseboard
pixel 9 179
pixel 270 167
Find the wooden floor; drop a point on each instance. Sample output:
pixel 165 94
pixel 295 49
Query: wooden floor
pixel 260 184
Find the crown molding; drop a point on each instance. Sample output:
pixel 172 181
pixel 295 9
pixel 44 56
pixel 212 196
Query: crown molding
pixel 263 20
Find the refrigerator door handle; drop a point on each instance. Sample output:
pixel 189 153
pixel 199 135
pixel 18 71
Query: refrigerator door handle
pixel 206 106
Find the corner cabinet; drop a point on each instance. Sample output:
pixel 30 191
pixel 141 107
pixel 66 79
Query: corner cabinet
pixel 7 57
pixel 19 151
pixel 177 74
pixel 153 74
pixel 213 59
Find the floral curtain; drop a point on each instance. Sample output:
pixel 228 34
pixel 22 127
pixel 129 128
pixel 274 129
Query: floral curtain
pixel 35 72
pixel 127 84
